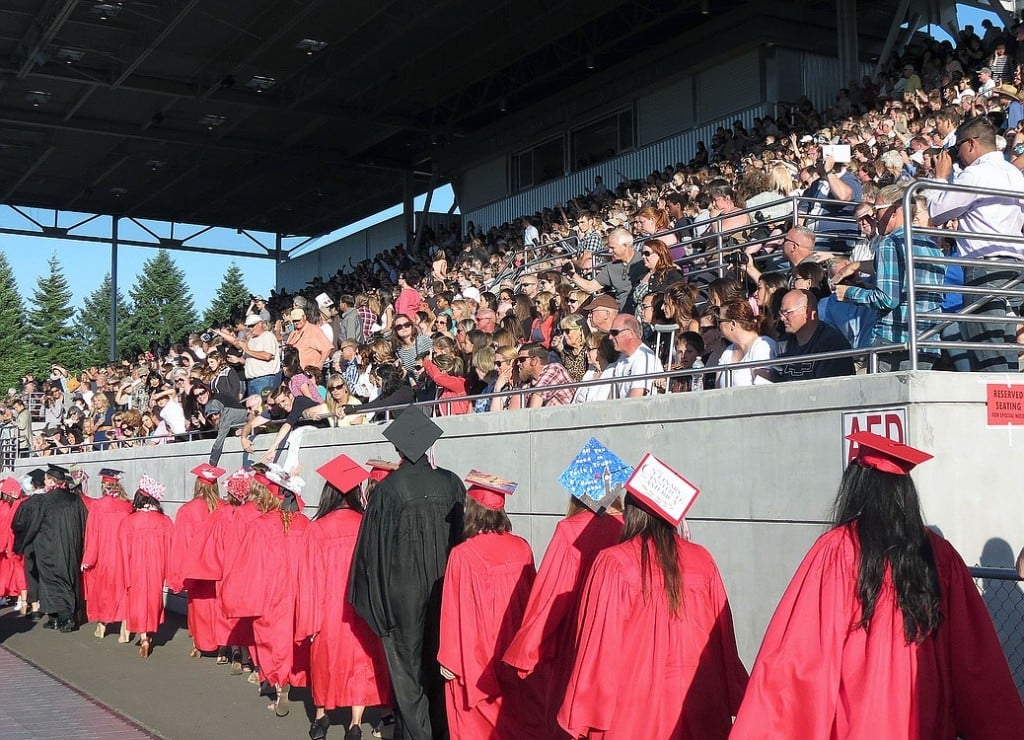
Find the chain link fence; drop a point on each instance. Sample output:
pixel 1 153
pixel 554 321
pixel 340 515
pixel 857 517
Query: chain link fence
pixel 1004 596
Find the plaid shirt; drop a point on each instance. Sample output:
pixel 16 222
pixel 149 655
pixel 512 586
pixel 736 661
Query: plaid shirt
pixel 592 241
pixel 368 319
pixel 552 374
pixel 889 296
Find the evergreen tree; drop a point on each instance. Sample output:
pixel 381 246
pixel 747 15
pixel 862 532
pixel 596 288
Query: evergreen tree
pixel 162 307
pixel 49 322
pixel 15 352
pixel 232 297
pixel 92 325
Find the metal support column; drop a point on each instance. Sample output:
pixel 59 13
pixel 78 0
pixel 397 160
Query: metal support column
pixel 278 252
pixel 408 209
pixel 846 30
pixel 426 207
pixel 890 39
pixel 114 221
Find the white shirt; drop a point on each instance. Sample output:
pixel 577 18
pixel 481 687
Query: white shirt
pixel 531 235
pixel 763 348
pixel 588 393
pixel 641 362
pixel 265 342
pixel 174 416
pixel 983 214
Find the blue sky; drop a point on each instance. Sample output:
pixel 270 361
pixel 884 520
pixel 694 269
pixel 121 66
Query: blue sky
pixel 85 264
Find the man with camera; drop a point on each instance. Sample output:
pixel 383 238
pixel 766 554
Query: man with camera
pixel 618 277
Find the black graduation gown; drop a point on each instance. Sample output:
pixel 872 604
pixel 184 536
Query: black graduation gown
pixel 413 520
pixel 26 520
pixel 58 543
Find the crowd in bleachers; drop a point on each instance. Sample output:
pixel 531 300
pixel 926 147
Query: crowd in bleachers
pixel 701 264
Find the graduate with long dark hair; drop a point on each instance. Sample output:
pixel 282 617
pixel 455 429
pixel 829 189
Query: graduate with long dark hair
pixel 881 633
pixel 347 663
pixel 656 652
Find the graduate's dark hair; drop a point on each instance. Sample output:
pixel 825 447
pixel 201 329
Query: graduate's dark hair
pixel 207 492
pixel 479 519
pixel 886 512
pixel 662 536
pixel 331 499
pixel 143 499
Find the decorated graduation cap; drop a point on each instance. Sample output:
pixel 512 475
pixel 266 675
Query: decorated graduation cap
pixel 261 477
pixel 57 472
pixel 381 469
pixel 489 490
pixel 412 433
pixel 152 487
pixel 11 486
pixel 239 484
pixel 595 476
pixel 207 473
pixel 109 475
pixel 343 473
pixel 80 478
pixel 881 453
pixel 661 490
pixel 287 488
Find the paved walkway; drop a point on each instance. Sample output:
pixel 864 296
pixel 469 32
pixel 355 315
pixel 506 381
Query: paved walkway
pixel 101 689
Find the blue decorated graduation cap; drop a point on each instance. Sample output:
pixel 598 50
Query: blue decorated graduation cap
pixel 596 476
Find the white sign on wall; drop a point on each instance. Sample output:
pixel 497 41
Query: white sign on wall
pixel 890 423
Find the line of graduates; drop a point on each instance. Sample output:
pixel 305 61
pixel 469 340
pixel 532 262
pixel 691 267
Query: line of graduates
pixel 419 597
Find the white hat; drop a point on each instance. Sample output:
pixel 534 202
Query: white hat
pixel 253 319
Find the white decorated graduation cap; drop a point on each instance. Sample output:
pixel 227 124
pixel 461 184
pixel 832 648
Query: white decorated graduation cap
pixel 595 476
pixel 881 453
pixel 489 490
pixel 207 473
pixel 381 469
pixel 343 473
pixel 412 433
pixel 152 487
pixel 661 490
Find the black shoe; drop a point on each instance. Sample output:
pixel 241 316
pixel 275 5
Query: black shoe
pixel 354 733
pixel 33 616
pixel 69 625
pixel 266 689
pixel 51 625
pixel 318 728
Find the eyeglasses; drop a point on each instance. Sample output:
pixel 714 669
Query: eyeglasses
pixel 794 242
pixel 793 310
pixel 199 394
pixel 647 307
pixel 964 141
pixel 707 328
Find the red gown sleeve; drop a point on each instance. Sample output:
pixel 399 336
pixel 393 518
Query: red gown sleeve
pixel 592 694
pixel 310 596
pixel 795 682
pixel 243 588
pixel 185 537
pixel 90 552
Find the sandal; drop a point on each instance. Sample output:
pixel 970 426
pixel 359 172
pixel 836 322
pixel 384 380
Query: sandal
pixel 221 659
pixel 281 707
pixel 101 631
pixel 145 648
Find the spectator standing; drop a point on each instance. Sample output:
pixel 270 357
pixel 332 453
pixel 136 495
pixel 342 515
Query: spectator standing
pixel 312 344
pixel 984 166
pixel 23 421
pixel 261 353
pixel 810 336
pixel 351 321
pixel 591 239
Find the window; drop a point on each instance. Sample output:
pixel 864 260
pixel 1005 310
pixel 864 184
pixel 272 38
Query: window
pixel 543 162
pixel 602 139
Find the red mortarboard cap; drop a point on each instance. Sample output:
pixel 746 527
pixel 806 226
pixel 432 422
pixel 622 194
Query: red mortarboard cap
pixel 208 473
pixel 343 473
pixel 412 433
pixel 11 487
pixel 381 469
pixel 261 478
pixel 661 490
pixel 488 490
pixel 881 453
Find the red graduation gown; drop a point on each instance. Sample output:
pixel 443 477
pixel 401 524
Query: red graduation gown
pixel 145 543
pixel 642 672
pixel 262 582
pixel 12 566
pixel 347 663
pixel 544 645
pixel 191 524
pixel 816 676
pixel 103 593
pixel 486 586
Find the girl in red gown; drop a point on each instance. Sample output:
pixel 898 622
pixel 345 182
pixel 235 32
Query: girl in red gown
pixel 261 582
pixel 100 558
pixel 191 524
pixel 347 663
pixel 12 566
pixel 656 653
pixel 486 586
pixel 881 634
pixel 145 544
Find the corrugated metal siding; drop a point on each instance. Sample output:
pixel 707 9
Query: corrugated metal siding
pixel 732 84
pixel 665 111
pixel 636 164
pixel 820 78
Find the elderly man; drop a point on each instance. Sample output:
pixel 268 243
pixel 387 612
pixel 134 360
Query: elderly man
pixel 619 276
pixel 312 344
pixel 261 354
pixel 635 358
pixel 797 246
pixel 799 314
pixel 600 311
pixel 984 167
pixel 23 420
pixel 537 371
pixel 486 319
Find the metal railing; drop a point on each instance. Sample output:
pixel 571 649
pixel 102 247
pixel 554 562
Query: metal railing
pixel 1001 591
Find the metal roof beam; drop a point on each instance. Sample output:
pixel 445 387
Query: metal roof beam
pixel 166 31
pixel 45 26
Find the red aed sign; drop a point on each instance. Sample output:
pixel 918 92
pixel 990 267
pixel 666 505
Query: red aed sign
pixel 1005 404
pixel 889 423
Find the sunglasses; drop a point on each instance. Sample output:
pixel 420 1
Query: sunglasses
pixel 616 332
pixel 402 326
pixel 335 387
pixel 646 253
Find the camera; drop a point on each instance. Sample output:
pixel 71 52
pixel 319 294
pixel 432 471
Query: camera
pixel 206 336
pixel 736 258
pixel 568 269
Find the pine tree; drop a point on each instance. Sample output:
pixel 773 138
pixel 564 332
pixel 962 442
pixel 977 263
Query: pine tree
pixel 162 307
pixel 232 297
pixel 15 352
pixel 92 325
pixel 49 321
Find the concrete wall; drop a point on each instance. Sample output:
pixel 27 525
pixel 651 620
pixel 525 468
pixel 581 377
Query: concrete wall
pixel 768 461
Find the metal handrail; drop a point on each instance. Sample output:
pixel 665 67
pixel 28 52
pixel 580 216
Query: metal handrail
pixel 994 574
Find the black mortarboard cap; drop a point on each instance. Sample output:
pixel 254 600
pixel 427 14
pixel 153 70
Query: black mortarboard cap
pixel 37 476
pixel 57 472
pixel 412 433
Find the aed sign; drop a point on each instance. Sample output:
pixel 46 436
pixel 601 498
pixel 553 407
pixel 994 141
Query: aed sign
pixel 890 423
pixel 1004 404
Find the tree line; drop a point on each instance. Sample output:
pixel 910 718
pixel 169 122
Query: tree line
pixel 158 312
